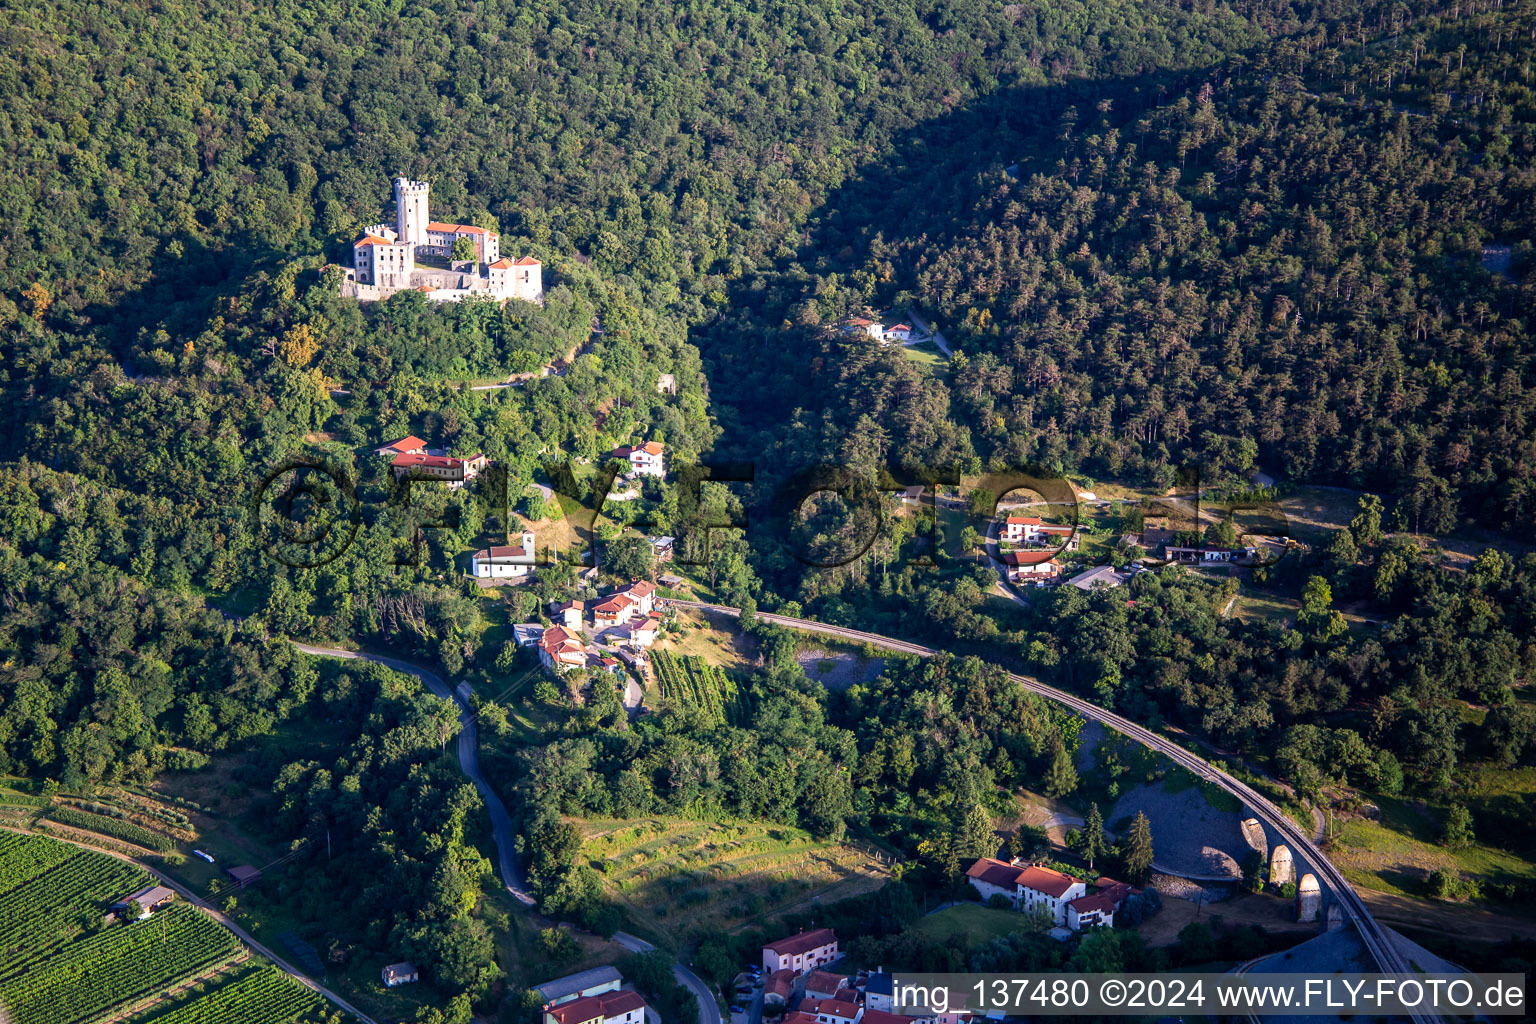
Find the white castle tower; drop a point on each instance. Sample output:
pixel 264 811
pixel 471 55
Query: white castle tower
pixel 411 211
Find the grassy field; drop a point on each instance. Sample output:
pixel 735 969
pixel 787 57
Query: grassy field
pixel 927 354
pixel 1259 607
pixel 1396 854
pixel 682 880
pixel 978 924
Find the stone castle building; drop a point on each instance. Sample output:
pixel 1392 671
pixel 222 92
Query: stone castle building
pixel 417 252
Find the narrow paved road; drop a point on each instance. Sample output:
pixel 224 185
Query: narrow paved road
pixel 926 328
pixel 244 936
pixel 469 760
pixel 1378 941
pixel 709 1009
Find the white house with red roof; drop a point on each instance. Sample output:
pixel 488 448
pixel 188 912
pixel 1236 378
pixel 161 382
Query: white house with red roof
pixel 1098 909
pixel 623 1007
pixel 1030 530
pixel 1031 565
pixel 385 259
pixel 453 471
pixel 898 332
pixel 506 562
pixel 648 459
pixel 802 952
pixel 1028 888
pixel 833 1011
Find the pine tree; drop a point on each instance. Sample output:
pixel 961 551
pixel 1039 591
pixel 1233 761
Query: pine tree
pixel 1137 851
pixel 1061 777
pixel 977 839
pixel 1091 843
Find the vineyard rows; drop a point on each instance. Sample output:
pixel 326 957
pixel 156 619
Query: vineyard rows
pixel 116 964
pixel 261 995
pixel 125 830
pixel 51 906
pixel 22 858
pixel 693 682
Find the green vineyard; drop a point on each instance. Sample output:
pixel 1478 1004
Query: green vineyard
pixel 255 995
pixel 690 681
pixel 118 829
pixel 61 962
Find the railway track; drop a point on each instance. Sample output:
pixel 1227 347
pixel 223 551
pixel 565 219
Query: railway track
pixel 1377 941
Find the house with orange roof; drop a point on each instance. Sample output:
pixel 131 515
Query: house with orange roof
pixel 648 459
pixel 412 445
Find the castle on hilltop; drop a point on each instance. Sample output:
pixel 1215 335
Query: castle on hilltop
pixel 418 253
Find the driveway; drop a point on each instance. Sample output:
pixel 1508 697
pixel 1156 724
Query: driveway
pixel 469 760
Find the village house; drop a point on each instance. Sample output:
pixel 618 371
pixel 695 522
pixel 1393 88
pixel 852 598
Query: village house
pixel 526 634
pixel 1028 889
pixel 454 472
pixel 1030 530
pixel 801 953
pixel 1098 909
pixel 898 332
pixel 879 992
pixel 506 562
pixel 595 982
pixel 384 260
pixel 1101 576
pixel 560 649
pixel 832 1011
pixel 568 613
pixel 405 446
pixel 1031 565
pixel 644 632
pixel 827 985
pixel 648 459
pixel 779 986
pixel 630 600
pixel 610 1008
pixel 402 973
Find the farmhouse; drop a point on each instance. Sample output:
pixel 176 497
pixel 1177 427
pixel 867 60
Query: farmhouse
pixel 1030 530
pixel 575 986
pixel 863 325
pixel 150 899
pixel 499 563
pixel 1029 889
pixel 644 632
pixel 802 952
pixel 455 472
pixel 1098 909
pixel 898 332
pixel 402 973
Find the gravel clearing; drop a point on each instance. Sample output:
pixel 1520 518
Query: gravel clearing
pixel 1189 836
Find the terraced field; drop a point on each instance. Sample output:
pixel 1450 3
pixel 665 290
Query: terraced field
pixel 713 876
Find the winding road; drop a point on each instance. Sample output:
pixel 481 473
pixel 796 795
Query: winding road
pixel 469 760
pixel 1379 943
pixel 709 1009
